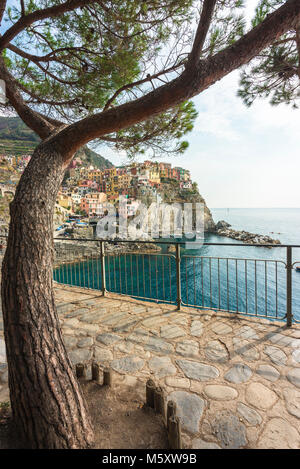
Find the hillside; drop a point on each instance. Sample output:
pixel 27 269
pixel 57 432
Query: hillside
pixel 17 139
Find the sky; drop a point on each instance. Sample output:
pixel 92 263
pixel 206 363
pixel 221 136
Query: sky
pixel 239 156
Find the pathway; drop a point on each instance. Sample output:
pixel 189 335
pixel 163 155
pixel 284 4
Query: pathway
pixel 236 380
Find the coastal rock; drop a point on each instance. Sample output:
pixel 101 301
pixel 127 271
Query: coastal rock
pixel 244 236
pixel 4 377
pixel 222 224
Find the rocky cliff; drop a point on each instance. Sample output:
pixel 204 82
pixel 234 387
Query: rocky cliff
pixel 171 193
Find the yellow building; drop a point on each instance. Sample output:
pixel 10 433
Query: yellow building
pixel 64 201
pixel 154 175
pixel 124 181
pixel 95 175
pixel 109 173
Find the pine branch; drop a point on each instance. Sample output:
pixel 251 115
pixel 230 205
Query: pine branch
pixel 38 15
pixel 201 33
pixel 39 123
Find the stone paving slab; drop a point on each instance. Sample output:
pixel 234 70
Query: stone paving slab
pixel 235 379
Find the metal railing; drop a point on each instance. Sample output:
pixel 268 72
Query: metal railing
pixel 255 287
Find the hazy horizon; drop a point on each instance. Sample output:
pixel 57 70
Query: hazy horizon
pixel 256 208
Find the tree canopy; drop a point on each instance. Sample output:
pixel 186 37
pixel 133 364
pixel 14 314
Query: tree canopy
pixel 275 72
pixel 123 72
pixel 105 53
pixel 70 60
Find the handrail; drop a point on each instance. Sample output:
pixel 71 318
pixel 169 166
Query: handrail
pixel 138 241
pixel 180 258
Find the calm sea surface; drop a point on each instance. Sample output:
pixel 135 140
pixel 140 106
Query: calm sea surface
pixel 247 279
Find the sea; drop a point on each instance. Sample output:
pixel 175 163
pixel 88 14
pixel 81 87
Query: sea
pixel 249 280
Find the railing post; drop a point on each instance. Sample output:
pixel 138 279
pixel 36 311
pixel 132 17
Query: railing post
pixel 178 276
pixel 289 269
pixel 102 257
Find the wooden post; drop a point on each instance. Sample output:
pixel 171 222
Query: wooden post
pixel 159 402
pixel 150 388
pixel 174 433
pixel 107 377
pixel 171 411
pixel 80 370
pixel 95 372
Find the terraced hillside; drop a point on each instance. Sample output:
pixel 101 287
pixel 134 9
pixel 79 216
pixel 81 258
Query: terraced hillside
pixel 17 139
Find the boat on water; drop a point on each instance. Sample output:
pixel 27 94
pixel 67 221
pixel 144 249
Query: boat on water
pixel 297 268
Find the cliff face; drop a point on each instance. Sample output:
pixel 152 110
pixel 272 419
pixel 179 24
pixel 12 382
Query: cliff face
pixel 171 193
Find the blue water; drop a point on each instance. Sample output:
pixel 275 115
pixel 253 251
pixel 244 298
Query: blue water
pixel 285 221
pixel 247 279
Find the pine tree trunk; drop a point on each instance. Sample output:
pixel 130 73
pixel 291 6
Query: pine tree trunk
pixel 47 405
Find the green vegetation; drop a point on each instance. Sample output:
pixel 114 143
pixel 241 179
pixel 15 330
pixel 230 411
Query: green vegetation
pixel 275 72
pixel 17 139
pixel 91 157
pixel 171 192
pixel 98 57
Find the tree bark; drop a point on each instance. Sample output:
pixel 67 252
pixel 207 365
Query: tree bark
pixel 47 405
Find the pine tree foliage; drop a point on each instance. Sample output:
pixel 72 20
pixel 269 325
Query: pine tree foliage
pixel 275 73
pixel 111 52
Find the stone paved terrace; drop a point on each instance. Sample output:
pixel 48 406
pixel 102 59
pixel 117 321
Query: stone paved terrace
pixel 236 380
